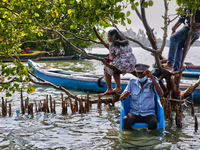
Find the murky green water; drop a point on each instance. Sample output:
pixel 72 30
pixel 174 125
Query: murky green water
pixel 93 130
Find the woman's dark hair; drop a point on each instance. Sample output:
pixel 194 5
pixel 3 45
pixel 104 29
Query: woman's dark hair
pixel 117 39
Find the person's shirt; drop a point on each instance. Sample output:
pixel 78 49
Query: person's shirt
pixel 186 19
pixel 119 52
pixel 142 101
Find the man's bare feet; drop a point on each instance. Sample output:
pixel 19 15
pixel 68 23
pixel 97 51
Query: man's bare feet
pixel 116 90
pixel 167 66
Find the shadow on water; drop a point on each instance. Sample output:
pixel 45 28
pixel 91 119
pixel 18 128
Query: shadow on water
pixel 140 139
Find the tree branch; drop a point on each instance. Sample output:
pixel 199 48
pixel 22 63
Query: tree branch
pixel 44 82
pixel 83 39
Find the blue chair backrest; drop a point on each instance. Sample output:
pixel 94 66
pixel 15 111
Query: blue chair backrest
pixel 125 108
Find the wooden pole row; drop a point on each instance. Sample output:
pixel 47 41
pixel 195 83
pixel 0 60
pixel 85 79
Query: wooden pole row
pixel 167 107
pixel 79 106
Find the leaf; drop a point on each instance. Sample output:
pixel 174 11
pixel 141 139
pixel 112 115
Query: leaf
pixel 73 26
pixel 32 89
pixel 150 3
pixel 129 21
pixel 133 7
pixel 144 5
pixel 8 94
pixel 69 11
pixel 37 15
pixel 128 13
pixel 136 4
pixel 2 79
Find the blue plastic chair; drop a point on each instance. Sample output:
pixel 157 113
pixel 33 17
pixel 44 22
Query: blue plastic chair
pixel 125 108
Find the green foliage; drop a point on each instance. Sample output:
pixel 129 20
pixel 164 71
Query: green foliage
pixel 192 4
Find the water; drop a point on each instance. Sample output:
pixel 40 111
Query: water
pixel 93 130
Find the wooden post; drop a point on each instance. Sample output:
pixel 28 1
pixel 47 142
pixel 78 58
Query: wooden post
pixel 87 103
pixel 31 109
pixel 35 106
pixel 5 105
pixel 64 107
pixel 51 104
pixel 26 104
pixel 178 117
pixel 2 107
pixel 81 105
pixel 54 107
pixel 47 104
pixel 86 109
pixel 71 105
pixel 9 110
pixel 113 101
pixel 76 104
pixel 40 107
pixel 22 103
pixel 170 112
pixel 192 108
pixel 99 103
pixel 196 123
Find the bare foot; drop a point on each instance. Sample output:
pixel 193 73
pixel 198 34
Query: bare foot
pixel 116 90
pixel 108 92
pixel 167 66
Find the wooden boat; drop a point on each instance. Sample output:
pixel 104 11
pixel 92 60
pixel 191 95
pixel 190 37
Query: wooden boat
pixel 50 58
pixel 26 56
pixel 75 80
pixel 125 108
pixel 98 55
pixel 86 81
pixel 191 70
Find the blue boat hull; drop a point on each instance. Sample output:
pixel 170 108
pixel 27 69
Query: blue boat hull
pixel 73 81
pixel 191 72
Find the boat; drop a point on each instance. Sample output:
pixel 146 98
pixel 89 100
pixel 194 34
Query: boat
pixel 98 55
pixel 50 58
pixel 86 81
pixel 75 80
pixel 191 70
pixel 125 108
pixel 24 57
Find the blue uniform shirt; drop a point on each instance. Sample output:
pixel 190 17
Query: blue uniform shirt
pixel 142 100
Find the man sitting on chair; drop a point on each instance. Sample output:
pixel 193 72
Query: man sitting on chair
pixel 142 91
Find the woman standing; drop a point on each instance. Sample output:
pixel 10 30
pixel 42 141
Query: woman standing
pixel 121 56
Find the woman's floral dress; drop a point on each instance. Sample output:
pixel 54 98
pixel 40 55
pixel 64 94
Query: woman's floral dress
pixel 122 58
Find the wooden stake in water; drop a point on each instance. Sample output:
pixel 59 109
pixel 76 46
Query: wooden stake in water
pixel 71 105
pixel 196 123
pixel 54 107
pixel 81 105
pixel 99 102
pixel 51 104
pixel 76 104
pixel 192 108
pixel 9 110
pixel 178 117
pixel 36 110
pixel 22 103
